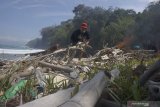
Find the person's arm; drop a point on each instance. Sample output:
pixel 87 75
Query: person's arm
pixel 74 38
pixel 87 38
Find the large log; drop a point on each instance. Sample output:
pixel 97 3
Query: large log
pixel 57 67
pixel 53 100
pixel 89 94
pixel 150 72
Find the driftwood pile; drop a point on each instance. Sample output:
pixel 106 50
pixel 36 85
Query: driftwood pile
pixel 67 66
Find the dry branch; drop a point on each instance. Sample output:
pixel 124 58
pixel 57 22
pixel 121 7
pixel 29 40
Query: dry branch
pixel 56 67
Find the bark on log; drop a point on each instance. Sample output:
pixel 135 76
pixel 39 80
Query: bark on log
pixel 53 100
pixel 57 67
pixel 150 72
pixel 89 94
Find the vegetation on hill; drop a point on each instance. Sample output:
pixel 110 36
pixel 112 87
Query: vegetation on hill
pixel 107 26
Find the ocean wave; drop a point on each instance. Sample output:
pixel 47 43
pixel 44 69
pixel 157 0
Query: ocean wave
pixel 19 51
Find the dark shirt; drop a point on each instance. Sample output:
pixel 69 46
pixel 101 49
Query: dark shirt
pixel 79 36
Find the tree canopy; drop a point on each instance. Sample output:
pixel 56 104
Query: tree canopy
pixel 106 26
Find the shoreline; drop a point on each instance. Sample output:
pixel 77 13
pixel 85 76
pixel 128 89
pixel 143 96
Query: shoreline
pixel 16 54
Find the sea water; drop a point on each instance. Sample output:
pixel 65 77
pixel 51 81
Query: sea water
pixel 13 54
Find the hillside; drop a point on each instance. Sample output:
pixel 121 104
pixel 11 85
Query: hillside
pixel 107 27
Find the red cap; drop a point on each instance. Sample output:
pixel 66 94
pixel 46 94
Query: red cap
pixel 84 25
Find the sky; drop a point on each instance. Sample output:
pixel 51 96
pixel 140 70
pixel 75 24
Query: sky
pixel 22 20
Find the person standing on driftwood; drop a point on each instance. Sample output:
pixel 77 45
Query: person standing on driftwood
pixel 79 35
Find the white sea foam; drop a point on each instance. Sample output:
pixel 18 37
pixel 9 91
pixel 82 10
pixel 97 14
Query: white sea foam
pixel 19 51
pixel 16 54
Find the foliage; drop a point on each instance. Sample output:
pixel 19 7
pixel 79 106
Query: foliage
pixel 126 87
pixel 35 43
pixel 147 27
pixel 106 27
